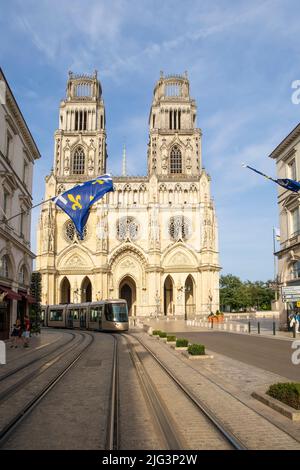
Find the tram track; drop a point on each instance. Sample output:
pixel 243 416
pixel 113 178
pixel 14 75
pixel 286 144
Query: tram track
pixel 8 428
pixel 44 367
pixel 165 421
pixel 36 359
pixel 112 433
pixel 170 434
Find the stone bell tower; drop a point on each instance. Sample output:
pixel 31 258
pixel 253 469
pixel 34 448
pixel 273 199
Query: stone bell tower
pixel 79 155
pixel 175 142
pixel 80 141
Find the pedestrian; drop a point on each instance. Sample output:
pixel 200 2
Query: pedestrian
pixel 26 332
pixel 298 322
pixel 16 333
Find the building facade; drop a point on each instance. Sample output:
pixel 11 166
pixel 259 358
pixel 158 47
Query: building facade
pixel 18 152
pixel 287 157
pixel 154 240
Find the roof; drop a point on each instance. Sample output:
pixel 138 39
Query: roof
pixel 286 142
pixel 21 120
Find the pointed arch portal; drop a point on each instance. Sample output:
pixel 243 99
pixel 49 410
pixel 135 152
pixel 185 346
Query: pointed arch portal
pixel 86 290
pixel 189 290
pixel 127 291
pixel 168 296
pixel 65 291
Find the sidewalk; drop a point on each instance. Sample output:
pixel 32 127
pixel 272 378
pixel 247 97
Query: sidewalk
pixel 36 342
pixel 225 385
pixel 173 326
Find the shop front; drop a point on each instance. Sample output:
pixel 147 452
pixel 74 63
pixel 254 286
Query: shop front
pixel 7 296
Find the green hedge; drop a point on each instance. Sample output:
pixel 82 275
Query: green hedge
pixel 181 343
pixel 162 334
pixel 287 392
pixel 156 332
pixel 171 338
pixel 196 349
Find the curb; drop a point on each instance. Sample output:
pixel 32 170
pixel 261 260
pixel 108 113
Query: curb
pixel 277 405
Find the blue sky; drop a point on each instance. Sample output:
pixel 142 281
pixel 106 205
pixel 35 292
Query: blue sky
pixel 241 58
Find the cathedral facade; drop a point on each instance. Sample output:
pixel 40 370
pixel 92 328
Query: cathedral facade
pixel 153 241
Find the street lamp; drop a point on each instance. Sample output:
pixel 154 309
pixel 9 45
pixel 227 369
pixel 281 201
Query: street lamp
pixel 157 302
pixel 76 292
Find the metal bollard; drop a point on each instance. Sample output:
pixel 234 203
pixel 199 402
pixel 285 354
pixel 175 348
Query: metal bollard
pixel 294 330
pixel 258 327
pixel 212 323
pixel 249 327
pixel 274 328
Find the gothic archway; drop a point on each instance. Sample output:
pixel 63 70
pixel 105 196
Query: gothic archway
pixel 189 289
pixel 65 291
pixel 168 296
pixel 86 290
pixel 127 291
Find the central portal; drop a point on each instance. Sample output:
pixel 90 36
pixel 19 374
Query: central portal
pixel 127 291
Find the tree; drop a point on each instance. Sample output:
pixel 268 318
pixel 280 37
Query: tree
pixel 237 295
pixel 36 292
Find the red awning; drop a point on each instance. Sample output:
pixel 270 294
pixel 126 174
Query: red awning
pixel 10 294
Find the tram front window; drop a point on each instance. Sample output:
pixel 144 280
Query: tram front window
pixel 116 312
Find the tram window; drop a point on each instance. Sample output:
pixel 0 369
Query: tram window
pixel 95 313
pixel 116 312
pixel 56 315
pixel 74 314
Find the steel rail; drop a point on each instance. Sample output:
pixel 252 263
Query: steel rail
pixel 112 433
pixel 229 436
pixel 36 359
pixel 167 426
pixel 7 430
pixel 9 391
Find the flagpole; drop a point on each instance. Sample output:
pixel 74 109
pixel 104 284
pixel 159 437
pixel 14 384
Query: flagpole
pixel 37 205
pixel 275 275
pixel 27 210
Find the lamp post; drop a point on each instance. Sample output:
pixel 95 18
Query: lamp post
pixel 157 302
pixel 76 292
pixel 186 290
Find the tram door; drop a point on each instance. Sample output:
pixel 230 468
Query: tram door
pixel 100 316
pixel 83 318
pixel 69 319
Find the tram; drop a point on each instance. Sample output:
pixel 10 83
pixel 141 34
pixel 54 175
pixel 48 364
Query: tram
pixel 105 315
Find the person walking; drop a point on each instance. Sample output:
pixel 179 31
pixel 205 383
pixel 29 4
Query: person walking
pixel 298 322
pixel 26 332
pixel 16 333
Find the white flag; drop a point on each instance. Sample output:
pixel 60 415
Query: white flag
pixel 277 234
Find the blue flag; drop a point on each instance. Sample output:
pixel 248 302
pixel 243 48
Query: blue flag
pixel 76 202
pixel 286 183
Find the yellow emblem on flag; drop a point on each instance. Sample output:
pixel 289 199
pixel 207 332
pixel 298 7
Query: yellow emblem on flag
pixel 76 202
pixel 98 181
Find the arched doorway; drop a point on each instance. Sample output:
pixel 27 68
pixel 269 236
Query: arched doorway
pixel 168 296
pixel 190 306
pixel 127 291
pixel 86 290
pixel 65 291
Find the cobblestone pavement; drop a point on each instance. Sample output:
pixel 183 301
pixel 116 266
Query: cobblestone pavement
pixel 224 386
pixel 38 344
pixel 193 429
pixel 137 429
pixel 74 413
